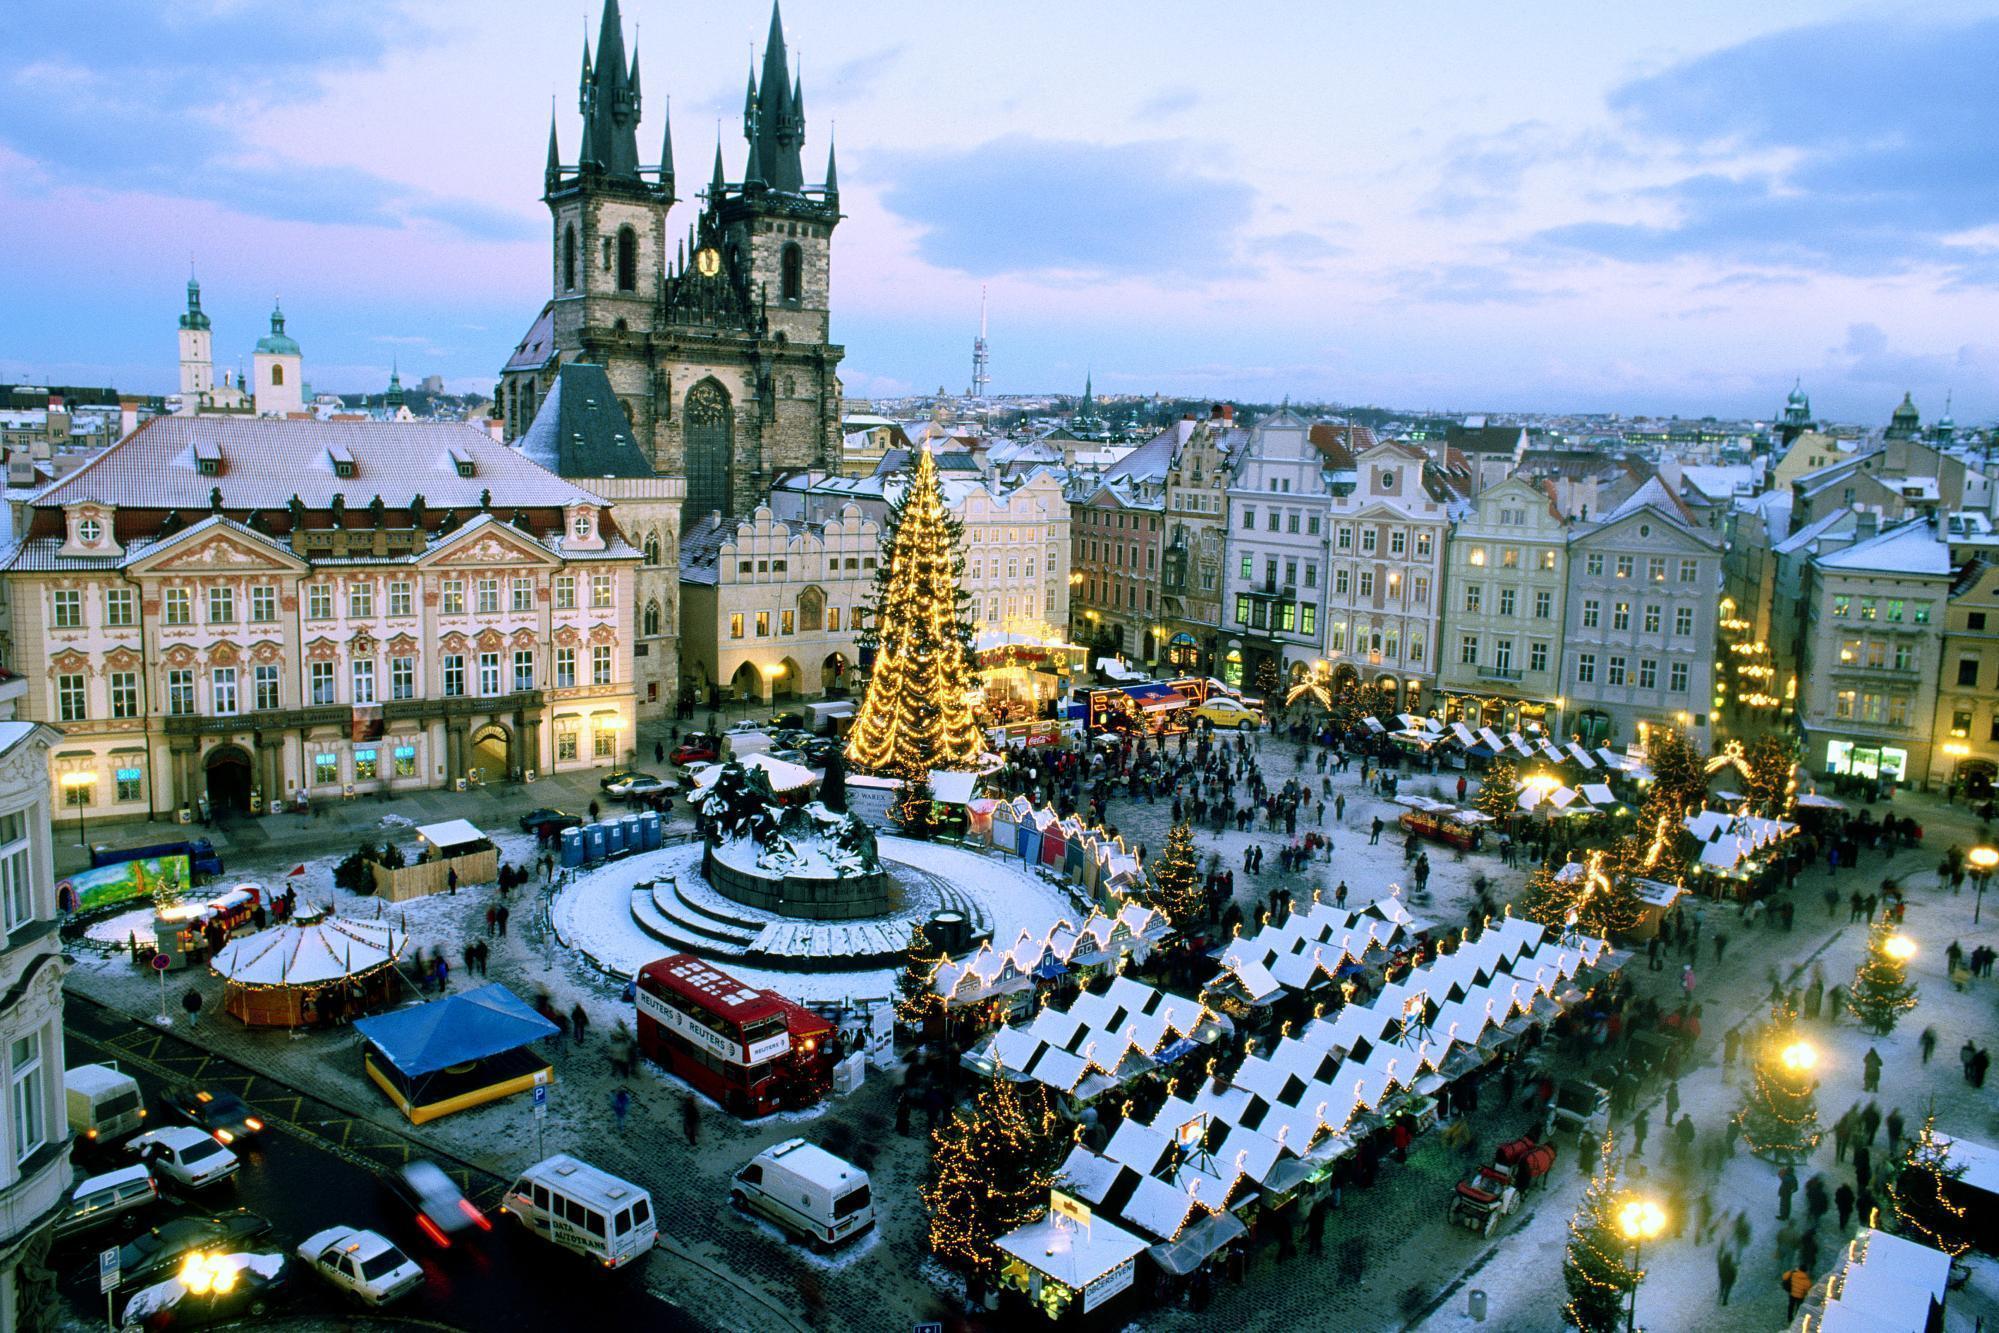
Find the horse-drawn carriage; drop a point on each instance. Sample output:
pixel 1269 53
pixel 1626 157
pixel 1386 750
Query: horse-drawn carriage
pixel 1491 1192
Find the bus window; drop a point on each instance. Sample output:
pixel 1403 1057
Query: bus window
pixel 621 1223
pixel 593 1223
pixel 642 1212
pixel 851 1203
pixel 541 1197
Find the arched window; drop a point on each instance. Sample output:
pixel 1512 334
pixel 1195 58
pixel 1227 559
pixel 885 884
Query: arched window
pixel 652 548
pixel 651 619
pixel 569 258
pixel 792 272
pixel 277 374
pixel 628 260
pixel 707 445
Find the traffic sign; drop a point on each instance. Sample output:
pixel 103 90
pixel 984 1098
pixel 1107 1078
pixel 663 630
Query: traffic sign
pixel 161 963
pixel 540 1098
pixel 107 1269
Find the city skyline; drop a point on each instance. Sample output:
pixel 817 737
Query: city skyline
pixel 1655 213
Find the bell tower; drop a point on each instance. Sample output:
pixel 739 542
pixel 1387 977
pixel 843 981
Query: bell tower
pixel 197 354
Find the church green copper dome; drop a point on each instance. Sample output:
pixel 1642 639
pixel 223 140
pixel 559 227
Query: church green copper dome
pixel 277 342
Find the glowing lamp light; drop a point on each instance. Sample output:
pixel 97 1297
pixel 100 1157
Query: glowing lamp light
pixel 1983 859
pixel 1900 948
pixel 1641 1219
pixel 1799 1056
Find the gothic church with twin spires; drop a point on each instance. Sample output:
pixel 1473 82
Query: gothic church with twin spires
pixel 715 340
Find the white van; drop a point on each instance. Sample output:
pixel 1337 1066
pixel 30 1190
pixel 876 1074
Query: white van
pixel 106 1198
pixel 581 1208
pixel 104 1105
pixel 807 1191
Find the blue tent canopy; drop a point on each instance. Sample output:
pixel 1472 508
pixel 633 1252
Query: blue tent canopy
pixel 466 1026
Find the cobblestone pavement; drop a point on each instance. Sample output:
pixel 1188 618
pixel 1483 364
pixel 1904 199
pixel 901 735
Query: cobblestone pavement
pixel 1390 1258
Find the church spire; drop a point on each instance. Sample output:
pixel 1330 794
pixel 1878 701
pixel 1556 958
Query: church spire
pixel 553 171
pixel 611 103
pixel 774 123
pixel 832 173
pixel 666 151
pixel 718 186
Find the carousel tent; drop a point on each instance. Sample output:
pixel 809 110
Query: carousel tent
pixel 462 1051
pixel 309 970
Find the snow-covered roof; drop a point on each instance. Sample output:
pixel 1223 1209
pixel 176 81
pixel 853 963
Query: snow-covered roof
pixel 449 833
pixel 304 953
pixel 1909 548
pixel 1073 1254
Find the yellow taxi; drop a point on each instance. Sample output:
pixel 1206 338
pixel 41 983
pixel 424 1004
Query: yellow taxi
pixel 1225 713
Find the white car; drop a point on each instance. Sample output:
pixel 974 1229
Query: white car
pixel 745 728
pixel 364 1263
pixel 638 788
pixel 185 1155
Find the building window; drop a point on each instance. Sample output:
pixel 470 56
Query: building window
pixel 791 272
pixel 1419 590
pixel 1677 678
pixel 79 791
pixel 319 602
pixel 454 675
pixel 1683 621
pixel 565 668
pixel 1919 614
pixel 1398 541
pixel 1248 519
pixel 1690 571
pixel 1502 655
pixel 1537 655
pixel 1308 618
pixel 1548 560
pixel 600 664
pixel 600 591
pixel 489 674
pixel 1585 668
pixel 1653 613
pixel 1509 601
pixel 1841 605
pixel 1593 564
pixel 1474 598
pixel 265 681
pixel 67 608
pixel 1365 585
pixel 489 596
pixel 24 1072
pixel 1468 650
pixel 124 694
pixel 1369 541
pixel 569 257
pixel 1544 604
pixel 736 625
pixel 523 669
pixel 175 606
pixel 1424 545
pixel 523 595
pixel 454 597
pixel 222 685
pixel 1620 615
pixel 565 744
pixel 833 614
pixel 364 765
pixel 1613 672
pixel 364 680
pixel 1344 540
pixel 118 603
pixel 325 769
pixel 628 260
pixel 399 598
pixel 1509 557
pixel 263 604
pixel 402 678
pixel 180 692
pixel 1967 670
pixel 1648 673
pixel 70 699
pixel 320 676
pixel 1592 611
pixel 763 621
pixel 1960 722
pixel 1655 568
pixel 360 601
pixel 603 742
pixel 565 592
pixel 405 761
pixel 130 785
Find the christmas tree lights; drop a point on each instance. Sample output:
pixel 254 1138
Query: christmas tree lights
pixel 1599 902
pixel 1176 880
pixel 1924 1210
pixel 1770 766
pixel 917 713
pixel 1595 1268
pixel 1882 991
pixel 1499 790
pixel 1779 1116
pixel 990 1169
pixel 917 1000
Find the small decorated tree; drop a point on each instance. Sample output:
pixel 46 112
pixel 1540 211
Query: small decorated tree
pixel 916 808
pixel 1499 790
pixel 1920 1191
pixel 1779 1116
pixel 1770 783
pixel 917 1002
pixel 1679 772
pixel 990 1170
pixel 1176 880
pixel 1601 900
pixel 1882 991
pixel 1596 1268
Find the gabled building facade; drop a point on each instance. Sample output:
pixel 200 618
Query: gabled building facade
pixel 1384 602
pixel 1967 720
pixel 1196 530
pixel 1278 550
pixel 1500 658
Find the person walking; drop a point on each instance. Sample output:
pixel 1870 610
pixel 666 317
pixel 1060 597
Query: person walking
pixel 1965 1055
pixel 1870 1124
pixel 1724 1270
pixel 1818 1200
pixel 1928 1042
pixel 1979 1064
pixel 1895 1126
pixel 1842 1199
pixel 579 1021
pixel 1787 1185
pixel 1842 1132
pixel 1797 1285
pixel 1871 1065
pixel 492 917
pixel 451 878
pixel 621 1106
pixel 190 1002
pixel 1639 1129
pixel 1863 1166
pixel 501 916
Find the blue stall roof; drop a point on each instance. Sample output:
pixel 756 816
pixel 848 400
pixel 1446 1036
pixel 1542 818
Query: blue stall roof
pixel 468 1025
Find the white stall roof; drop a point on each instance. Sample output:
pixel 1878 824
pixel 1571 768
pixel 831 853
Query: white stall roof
pixel 450 833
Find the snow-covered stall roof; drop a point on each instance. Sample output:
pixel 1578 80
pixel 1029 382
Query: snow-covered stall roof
pixel 449 833
pixel 305 953
pixel 1073 1254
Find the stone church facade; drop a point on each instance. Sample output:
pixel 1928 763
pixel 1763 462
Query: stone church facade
pixel 715 340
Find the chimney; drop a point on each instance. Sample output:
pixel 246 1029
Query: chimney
pixel 128 416
pixel 497 428
pixel 1670 474
pixel 1866 523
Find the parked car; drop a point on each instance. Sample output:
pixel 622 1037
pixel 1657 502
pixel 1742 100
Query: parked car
pixel 696 749
pixel 808 1191
pixel 788 738
pixel 362 1263
pixel 157 1251
pixel 101 1200
pixel 1224 712
pixel 547 820
pixel 791 717
pixel 618 790
pixel 439 1208
pixel 745 728
pixel 643 786
pixel 820 749
pixel 217 1110
pixel 787 756
pixel 209 1289
pixel 185 1155
pixel 615 776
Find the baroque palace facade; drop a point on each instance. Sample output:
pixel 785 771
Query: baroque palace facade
pixel 244 611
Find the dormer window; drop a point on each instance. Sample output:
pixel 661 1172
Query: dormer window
pixel 342 460
pixel 462 461
pixel 208 458
pixel 89 531
pixel 581 527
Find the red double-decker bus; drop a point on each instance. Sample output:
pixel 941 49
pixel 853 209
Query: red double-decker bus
pixel 752 1050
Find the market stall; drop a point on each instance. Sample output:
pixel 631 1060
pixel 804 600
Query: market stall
pixel 453 846
pixel 310 972
pixel 1069 1254
pixel 452 1054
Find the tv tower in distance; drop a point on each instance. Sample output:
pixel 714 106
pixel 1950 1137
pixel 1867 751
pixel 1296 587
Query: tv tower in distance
pixel 981 358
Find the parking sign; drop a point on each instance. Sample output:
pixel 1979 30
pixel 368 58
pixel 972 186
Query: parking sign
pixel 540 1098
pixel 107 1269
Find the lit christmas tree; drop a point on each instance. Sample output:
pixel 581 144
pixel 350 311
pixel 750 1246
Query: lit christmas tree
pixel 1600 900
pixel 1176 880
pixel 917 714
pixel 1596 1269
pixel 1882 991
pixel 917 1001
pixel 1679 772
pixel 1920 1191
pixel 1771 783
pixel 1779 1117
pixel 1499 790
pixel 990 1169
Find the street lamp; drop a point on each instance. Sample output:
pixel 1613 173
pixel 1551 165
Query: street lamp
pixel 75 786
pixel 1799 1057
pixel 1982 860
pixel 772 671
pixel 1900 948
pixel 1640 1220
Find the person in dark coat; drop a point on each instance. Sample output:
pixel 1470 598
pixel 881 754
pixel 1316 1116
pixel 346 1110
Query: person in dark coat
pixel 1863 1166
pixel 1842 1199
pixel 1724 1270
pixel 1787 1185
pixel 1817 1200
pixel 579 1021
pixel 1895 1127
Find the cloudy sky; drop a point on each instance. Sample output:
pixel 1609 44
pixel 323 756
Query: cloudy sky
pixel 1452 206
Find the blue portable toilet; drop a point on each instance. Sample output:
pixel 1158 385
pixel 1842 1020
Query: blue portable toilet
pixel 629 831
pixel 572 848
pixel 649 830
pixel 594 842
pixel 614 836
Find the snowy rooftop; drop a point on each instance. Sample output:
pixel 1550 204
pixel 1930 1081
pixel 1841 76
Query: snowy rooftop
pixel 1910 548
